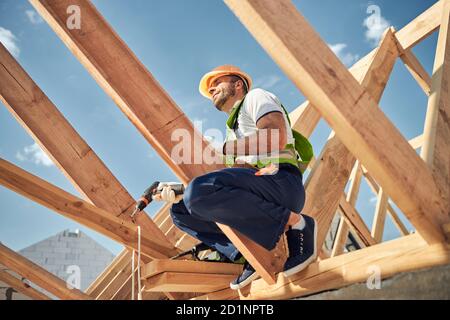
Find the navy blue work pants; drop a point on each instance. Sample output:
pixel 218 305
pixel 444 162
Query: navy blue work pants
pixel 256 206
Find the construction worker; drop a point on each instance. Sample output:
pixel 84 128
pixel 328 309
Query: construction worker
pixel 262 194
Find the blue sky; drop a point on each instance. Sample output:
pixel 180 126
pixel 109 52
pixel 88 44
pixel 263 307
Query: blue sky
pixel 178 41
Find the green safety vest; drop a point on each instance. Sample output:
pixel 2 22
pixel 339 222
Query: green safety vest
pixel 298 154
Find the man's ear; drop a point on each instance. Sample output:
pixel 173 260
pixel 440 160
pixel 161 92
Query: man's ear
pixel 239 84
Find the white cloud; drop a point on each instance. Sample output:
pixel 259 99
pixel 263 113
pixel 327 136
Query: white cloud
pixel 346 57
pixel 33 16
pixel 375 24
pixel 34 154
pixel 9 40
pixel 266 82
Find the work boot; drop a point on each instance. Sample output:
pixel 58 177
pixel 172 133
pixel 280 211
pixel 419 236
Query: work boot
pixel 302 246
pixel 246 277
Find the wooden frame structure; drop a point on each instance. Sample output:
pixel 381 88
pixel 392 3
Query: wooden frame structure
pixel 363 145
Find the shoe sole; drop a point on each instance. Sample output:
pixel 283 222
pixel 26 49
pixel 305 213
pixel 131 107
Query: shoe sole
pixel 244 283
pixel 302 266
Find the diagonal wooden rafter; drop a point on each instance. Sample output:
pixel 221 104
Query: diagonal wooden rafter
pixel 21 286
pixel 83 212
pixel 352 196
pixel 419 26
pixel 125 79
pixel 329 175
pixel 348 108
pixel 38 275
pixel 73 156
pixel 306 117
pixel 436 145
pixel 405 254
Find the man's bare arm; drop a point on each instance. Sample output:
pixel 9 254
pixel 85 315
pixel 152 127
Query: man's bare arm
pixel 271 136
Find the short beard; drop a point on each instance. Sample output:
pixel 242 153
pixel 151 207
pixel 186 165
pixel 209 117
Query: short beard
pixel 228 93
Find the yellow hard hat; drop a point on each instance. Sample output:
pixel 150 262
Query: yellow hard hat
pixel 225 70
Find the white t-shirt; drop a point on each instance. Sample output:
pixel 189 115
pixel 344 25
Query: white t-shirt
pixel 257 103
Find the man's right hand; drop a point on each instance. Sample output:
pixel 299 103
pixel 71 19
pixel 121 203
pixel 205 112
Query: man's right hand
pixel 166 193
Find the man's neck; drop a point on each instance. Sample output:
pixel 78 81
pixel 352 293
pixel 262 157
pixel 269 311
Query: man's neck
pixel 234 104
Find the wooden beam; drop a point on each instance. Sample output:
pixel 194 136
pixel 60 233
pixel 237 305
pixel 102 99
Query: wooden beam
pixel 73 156
pixel 421 27
pixel 379 216
pixel 356 223
pixel 113 269
pixel 352 196
pixel 22 287
pixel 128 83
pixel 38 275
pixel 352 112
pixel 305 118
pixel 186 266
pixel 188 282
pixel 416 142
pixel 144 102
pixel 79 210
pixel 417 70
pixel 267 264
pixel 113 278
pixel 116 283
pixel 329 175
pixel 394 216
pixel 436 147
pixel 405 254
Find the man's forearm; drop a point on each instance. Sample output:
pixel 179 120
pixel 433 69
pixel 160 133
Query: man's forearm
pixel 260 143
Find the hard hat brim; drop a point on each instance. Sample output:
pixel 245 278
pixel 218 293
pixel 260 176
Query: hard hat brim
pixel 206 80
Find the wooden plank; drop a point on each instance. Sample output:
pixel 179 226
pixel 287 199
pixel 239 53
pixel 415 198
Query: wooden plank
pixel 416 142
pixel 21 286
pixel 267 264
pixel 162 214
pixel 128 83
pixel 186 242
pixel 405 254
pixel 421 27
pixel 158 266
pixel 394 216
pixel 74 208
pixel 352 196
pixel 38 275
pixel 305 118
pixel 188 282
pixel 436 147
pixel 417 70
pixel 73 156
pixel 124 291
pixel 118 279
pixel 143 100
pixel 356 223
pixel 114 267
pixel 329 175
pixel 352 112
pixel 379 216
